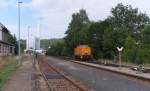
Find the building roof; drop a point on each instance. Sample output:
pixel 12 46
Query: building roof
pixel 3 28
pixel 6 43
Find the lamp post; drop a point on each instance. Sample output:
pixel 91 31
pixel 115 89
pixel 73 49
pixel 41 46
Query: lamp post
pixel 19 3
pixel 120 50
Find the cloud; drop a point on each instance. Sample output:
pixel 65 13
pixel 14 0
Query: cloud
pixel 6 3
pixel 55 15
pixel 23 31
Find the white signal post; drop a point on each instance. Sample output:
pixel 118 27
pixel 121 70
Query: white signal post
pixel 120 51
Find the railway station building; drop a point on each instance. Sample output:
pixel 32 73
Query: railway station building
pixel 6 48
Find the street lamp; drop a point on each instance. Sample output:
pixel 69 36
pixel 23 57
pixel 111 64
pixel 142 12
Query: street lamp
pixel 19 3
pixel 120 50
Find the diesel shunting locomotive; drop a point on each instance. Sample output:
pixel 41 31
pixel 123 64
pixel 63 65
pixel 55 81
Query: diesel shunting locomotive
pixel 83 52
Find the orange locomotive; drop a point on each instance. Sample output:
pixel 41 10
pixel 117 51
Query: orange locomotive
pixel 82 52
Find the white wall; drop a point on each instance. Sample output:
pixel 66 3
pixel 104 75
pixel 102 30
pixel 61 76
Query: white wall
pixel 0 35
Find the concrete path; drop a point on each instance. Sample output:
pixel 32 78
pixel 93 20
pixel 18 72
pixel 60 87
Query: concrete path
pixel 23 79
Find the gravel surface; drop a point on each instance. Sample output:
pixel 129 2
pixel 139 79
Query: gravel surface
pixel 56 81
pixel 62 85
pixel 99 80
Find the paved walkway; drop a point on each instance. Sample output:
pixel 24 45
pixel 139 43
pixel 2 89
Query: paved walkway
pixel 23 79
pixel 118 69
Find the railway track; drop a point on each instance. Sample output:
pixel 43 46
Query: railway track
pixel 57 80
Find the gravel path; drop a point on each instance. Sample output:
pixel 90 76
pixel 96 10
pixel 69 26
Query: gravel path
pixel 99 80
pixel 23 79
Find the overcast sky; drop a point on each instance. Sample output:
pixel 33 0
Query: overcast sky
pixel 55 15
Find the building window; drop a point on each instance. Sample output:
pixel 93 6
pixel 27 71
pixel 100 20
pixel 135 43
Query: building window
pixel 11 49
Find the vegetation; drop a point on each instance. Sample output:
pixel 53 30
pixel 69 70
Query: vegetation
pixel 56 49
pixel 46 43
pixel 22 45
pixel 13 40
pixel 126 27
pixel 7 68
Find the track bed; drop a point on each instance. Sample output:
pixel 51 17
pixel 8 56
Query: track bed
pixel 58 80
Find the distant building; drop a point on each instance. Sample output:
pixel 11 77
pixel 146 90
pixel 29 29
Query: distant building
pixel 37 43
pixel 37 38
pixel 5 47
pixel 33 43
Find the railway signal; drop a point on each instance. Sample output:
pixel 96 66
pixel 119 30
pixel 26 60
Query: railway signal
pixel 120 49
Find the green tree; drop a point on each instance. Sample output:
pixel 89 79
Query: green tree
pixel 56 49
pixel 13 40
pixel 130 50
pixel 109 45
pixel 129 19
pixel 145 45
pixel 95 37
pixel 125 21
pixel 112 38
pixel 146 35
pixel 75 34
pixel 16 44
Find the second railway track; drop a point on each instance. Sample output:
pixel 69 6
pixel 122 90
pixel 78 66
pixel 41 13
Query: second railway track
pixel 57 80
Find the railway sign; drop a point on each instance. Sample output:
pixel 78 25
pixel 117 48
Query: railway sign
pixel 120 50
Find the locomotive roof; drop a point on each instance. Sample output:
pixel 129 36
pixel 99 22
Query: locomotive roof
pixel 82 46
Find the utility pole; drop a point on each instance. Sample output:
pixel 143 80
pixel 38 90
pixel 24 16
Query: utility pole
pixel 19 53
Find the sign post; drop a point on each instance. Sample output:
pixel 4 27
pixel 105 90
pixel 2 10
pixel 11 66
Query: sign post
pixel 120 51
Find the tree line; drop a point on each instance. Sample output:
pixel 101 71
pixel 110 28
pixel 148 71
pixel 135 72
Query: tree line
pixel 13 40
pixel 126 27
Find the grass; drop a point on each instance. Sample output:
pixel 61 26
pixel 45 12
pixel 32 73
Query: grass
pixel 5 74
pixel 7 68
pixel 147 65
pixel 123 62
pixel 133 64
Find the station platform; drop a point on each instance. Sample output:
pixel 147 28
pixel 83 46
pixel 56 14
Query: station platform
pixel 120 70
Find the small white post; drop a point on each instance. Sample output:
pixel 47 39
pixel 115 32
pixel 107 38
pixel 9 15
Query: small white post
pixel 119 50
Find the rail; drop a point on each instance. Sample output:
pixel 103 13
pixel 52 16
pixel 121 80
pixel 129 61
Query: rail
pixel 74 83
